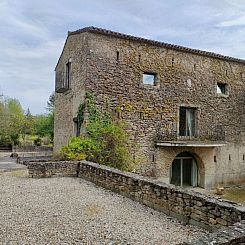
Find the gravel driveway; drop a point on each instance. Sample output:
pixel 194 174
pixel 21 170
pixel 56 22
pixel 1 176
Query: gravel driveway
pixel 74 211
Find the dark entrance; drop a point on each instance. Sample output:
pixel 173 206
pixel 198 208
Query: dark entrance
pixel 184 170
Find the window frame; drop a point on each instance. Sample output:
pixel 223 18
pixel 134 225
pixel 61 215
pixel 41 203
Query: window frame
pixel 195 127
pixel 63 77
pixel 67 84
pixel 149 74
pixel 221 86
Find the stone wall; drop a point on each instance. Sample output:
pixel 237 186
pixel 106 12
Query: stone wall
pixel 151 108
pixel 189 206
pixel 67 103
pixel 232 235
pixel 32 148
pixel 112 67
pixel 43 169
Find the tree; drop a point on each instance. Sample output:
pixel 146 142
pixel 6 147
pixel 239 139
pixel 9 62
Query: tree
pixel 28 126
pixel 50 103
pixel 44 123
pixel 12 119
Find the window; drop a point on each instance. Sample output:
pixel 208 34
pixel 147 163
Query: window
pixel 68 75
pixel 172 61
pixel 77 126
pixel 63 78
pixel 221 88
pixel 117 55
pixel 149 78
pixel 187 121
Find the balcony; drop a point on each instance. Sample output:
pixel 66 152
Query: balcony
pixel 61 89
pixel 211 138
pixel 62 84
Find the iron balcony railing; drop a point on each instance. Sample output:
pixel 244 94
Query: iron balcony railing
pixel 213 134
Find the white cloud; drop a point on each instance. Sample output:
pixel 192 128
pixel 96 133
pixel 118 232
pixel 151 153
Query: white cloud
pixel 240 21
pixel 33 32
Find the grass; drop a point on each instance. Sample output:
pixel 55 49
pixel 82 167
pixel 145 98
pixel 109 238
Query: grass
pixel 235 194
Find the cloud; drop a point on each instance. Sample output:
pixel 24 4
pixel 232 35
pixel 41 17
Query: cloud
pixel 33 32
pixel 240 21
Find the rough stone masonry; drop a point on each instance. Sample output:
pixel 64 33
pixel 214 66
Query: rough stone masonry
pixel 186 205
pixel 210 87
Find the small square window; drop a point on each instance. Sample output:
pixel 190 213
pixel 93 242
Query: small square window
pixel 221 88
pixel 149 78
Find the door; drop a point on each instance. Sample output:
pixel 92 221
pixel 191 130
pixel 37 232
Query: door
pixel 184 172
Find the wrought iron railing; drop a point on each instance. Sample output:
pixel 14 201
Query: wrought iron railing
pixel 213 134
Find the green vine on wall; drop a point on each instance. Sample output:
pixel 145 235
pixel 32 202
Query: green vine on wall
pixel 105 141
pixel 81 113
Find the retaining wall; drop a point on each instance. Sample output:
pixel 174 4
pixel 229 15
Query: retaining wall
pixel 189 206
pixel 40 169
pixel 232 235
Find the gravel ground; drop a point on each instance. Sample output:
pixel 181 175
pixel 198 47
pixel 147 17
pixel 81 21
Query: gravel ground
pixel 74 211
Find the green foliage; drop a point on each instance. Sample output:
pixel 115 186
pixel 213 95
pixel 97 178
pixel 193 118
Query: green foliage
pixel 38 141
pixel 80 149
pixel 43 125
pixel 105 142
pixel 15 123
pixel 50 103
pixel 28 124
pixel 12 119
pixel 80 113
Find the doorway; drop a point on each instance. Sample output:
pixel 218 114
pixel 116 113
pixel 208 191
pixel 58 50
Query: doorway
pixel 184 170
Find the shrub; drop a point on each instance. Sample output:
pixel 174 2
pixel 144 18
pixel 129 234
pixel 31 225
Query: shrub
pixel 80 149
pixel 38 141
pixel 106 142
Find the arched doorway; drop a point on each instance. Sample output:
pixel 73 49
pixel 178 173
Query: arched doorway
pixel 184 171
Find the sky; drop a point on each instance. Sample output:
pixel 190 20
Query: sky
pixel 33 32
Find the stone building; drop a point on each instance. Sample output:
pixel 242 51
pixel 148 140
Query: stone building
pixel 184 107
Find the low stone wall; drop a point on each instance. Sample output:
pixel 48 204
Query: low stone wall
pixel 40 169
pixel 189 206
pixel 232 235
pixel 33 148
pixel 27 160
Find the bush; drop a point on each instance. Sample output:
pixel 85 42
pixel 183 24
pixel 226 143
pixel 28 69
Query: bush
pixel 113 144
pixel 80 149
pixel 106 142
pixel 15 139
pixel 38 141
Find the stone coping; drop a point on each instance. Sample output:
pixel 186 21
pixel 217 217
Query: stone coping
pixel 234 234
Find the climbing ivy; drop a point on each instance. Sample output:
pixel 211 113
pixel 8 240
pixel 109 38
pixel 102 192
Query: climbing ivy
pixel 104 142
pixel 80 113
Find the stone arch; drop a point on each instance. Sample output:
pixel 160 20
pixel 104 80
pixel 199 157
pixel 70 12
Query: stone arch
pixel 197 161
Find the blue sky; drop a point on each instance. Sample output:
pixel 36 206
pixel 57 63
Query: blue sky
pixel 32 34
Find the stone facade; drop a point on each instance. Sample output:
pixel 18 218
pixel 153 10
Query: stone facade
pixel 111 66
